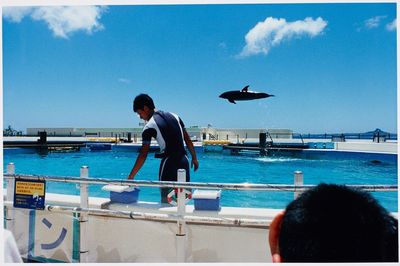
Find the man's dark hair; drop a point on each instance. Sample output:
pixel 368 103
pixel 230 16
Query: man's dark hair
pixel 335 223
pixel 141 100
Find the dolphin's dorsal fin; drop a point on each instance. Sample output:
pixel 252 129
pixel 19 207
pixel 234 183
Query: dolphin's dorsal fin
pixel 231 101
pixel 245 88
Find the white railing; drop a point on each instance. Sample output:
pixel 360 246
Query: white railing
pixel 299 187
pixel 180 217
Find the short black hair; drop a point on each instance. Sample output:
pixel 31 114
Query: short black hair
pixel 335 223
pixel 143 100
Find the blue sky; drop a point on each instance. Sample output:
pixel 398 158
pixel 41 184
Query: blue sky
pixel 332 67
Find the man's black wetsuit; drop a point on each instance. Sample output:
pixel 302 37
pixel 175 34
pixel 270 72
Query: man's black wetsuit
pixel 167 129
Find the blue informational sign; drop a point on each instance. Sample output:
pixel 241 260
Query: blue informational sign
pixel 29 194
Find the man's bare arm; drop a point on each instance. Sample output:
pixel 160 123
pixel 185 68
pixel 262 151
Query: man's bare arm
pixel 190 147
pixel 140 160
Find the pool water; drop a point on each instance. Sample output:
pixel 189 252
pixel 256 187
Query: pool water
pixel 214 168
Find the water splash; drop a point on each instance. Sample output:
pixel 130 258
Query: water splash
pixel 279 159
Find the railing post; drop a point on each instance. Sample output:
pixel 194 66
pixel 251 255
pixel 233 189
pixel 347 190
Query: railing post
pixel 84 217
pixel 181 199
pixel 298 181
pixel 10 197
pixel 181 209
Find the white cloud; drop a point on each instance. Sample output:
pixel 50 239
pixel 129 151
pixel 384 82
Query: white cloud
pixel 16 14
pixel 124 80
pixel 392 25
pixel 373 22
pixel 271 32
pixel 63 21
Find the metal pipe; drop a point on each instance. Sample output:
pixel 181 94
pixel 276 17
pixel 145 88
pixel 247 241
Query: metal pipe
pixel 181 226
pixel 181 196
pixel 84 196
pixel 298 181
pixel 84 217
pixel 10 197
pixel 159 217
pixel 10 182
pixel 224 186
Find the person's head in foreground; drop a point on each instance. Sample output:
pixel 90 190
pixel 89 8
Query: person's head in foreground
pixel 332 223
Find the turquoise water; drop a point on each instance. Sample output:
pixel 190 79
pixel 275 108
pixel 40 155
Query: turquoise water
pixel 214 168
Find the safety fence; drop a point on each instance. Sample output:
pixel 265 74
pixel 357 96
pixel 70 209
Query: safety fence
pixel 181 217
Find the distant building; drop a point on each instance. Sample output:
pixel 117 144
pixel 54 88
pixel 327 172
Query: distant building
pixel 196 133
pixel 86 132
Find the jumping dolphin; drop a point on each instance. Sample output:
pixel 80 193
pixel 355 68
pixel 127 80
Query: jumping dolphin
pixel 243 95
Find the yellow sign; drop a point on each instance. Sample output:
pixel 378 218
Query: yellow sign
pixel 29 188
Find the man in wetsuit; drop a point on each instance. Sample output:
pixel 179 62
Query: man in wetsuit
pixel 170 133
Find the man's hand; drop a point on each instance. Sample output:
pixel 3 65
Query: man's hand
pixel 195 163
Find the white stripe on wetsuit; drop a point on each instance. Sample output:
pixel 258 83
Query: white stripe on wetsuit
pixel 160 140
pixel 162 168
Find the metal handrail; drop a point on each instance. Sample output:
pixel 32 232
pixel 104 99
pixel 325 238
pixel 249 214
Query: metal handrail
pixel 159 217
pixel 173 184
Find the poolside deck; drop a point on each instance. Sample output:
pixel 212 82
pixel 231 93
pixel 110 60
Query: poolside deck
pixel 387 147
